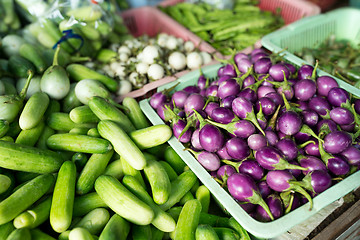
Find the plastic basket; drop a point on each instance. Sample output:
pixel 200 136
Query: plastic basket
pixel 254 227
pixel 312 31
pixel 151 21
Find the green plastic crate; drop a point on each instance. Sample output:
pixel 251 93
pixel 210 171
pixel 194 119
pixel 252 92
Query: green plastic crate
pixel 312 31
pixel 256 228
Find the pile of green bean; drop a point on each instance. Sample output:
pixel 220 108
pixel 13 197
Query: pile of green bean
pixel 226 29
pixel 340 58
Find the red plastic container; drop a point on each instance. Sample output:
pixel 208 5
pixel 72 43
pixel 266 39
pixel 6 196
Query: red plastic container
pixel 151 21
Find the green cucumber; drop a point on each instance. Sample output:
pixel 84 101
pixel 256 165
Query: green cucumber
pixel 238 228
pixel 157 234
pixel 24 197
pixel 7 139
pixel 106 55
pixel 30 137
pixel 116 228
pixel 79 72
pixel 29 159
pixel 5 230
pixel 34 55
pixel 5 183
pixel 85 203
pixel 37 234
pixel 83 114
pixel 188 220
pixel 135 114
pixel 227 233
pixel 22 177
pixel 79 131
pixel 105 110
pixel 151 136
pixel 4 127
pixel 93 132
pixel 179 187
pixel 188 196
pixel 61 121
pixel 174 160
pixel 20 234
pixel 129 170
pixel 94 221
pixel 162 220
pixel 78 143
pixel 80 234
pixel 93 168
pixel 141 232
pixel 46 133
pixel 205 232
pixel 31 218
pixel 122 143
pixel 70 101
pixel 10 189
pixel 115 169
pixel 20 66
pixel 33 110
pixel 122 201
pixel 62 203
pixel 53 107
pixel 203 195
pixel 158 179
pixel 169 170
pixel 80 159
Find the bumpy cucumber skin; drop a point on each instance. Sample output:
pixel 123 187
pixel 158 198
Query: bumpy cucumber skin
pixel 151 136
pixel 116 228
pixel 188 220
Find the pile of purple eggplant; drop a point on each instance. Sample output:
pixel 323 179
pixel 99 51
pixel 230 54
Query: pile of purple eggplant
pixel 273 135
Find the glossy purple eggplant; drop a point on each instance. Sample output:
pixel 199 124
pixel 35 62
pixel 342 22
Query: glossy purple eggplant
pixel 320 105
pixel 352 155
pixel 305 71
pixel 264 188
pixel 304 89
pixel 277 72
pixel 244 109
pixel 271 158
pixel 157 99
pixel 222 79
pixel 317 181
pixel 312 149
pixel 289 123
pixel 262 65
pixel 325 84
pixel 256 141
pixel 237 148
pixel 283 181
pixel 310 117
pixel 210 107
pixel 224 172
pixel 194 101
pixel 256 56
pixel 342 116
pixel 267 104
pixel 227 88
pixel 311 163
pixel 244 189
pixel 223 154
pixel 229 69
pixel 195 141
pixel 276 97
pixel 223 115
pixel 337 141
pixel 326 126
pixel 210 161
pixel 179 98
pixel 264 90
pixel 212 91
pixel 192 89
pixel 240 128
pixel 227 102
pixel 248 94
pixel 244 65
pixel 248 81
pixel 288 148
pixel 275 205
pixel 252 168
pixel 271 137
pixel 339 97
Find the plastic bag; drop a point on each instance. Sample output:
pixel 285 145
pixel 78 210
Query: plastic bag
pixel 220 4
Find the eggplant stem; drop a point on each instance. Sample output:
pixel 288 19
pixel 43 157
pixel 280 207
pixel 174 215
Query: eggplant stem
pixel 263 204
pixel 288 209
pixel 252 118
pixel 306 143
pixel 55 59
pixel 297 188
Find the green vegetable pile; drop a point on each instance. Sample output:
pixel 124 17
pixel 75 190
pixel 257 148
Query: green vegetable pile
pixel 341 58
pixel 226 29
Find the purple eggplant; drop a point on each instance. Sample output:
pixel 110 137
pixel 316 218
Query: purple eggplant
pixel 342 116
pixel 264 189
pixel 326 126
pixel 295 172
pixel 248 81
pixel 248 94
pixel 243 188
pixel 227 102
pixel 317 181
pixel 210 137
pixel 157 99
pixel 195 141
pixel 251 168
pixel 256 141
pixel 229 69
pixel 271 158
pixel 244 109
pixel 276 97
pixel 288 148
pixel 212 91
pixel 291 68
pixel 178 127
pixel 179 98
pixel 210 161
pixel 312 148
pixel 240 128
pixel 283 181
pixel 311 163
pixel 248 207
pixel 325 84
pixel 320 105
pixel 275 205
pixel 244 65
pixel 194 101
pixel 239 56
pixel 337 141
pixel 227 88
pixel 192 89
pixel 303 105
pixel 237 148
pixel 304 89
pixel 278 72
pixel 289 122
pixel 256 56
pixel 352 155
pixel 223 154
pixel 357 106
pixel 284 87
pixel 262 65
pixel 271 137
pixel 305 71
pixel 202 81
pixel 223 115
pixel 310 117
pixel 264 90
pixel 290 200
pixel 224 172
pixel 210 107
pixel 261 118
pixel 339 97
pixel 222 79
pixel 267 104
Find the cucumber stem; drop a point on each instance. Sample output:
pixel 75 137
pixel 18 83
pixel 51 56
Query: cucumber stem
pixel 23 92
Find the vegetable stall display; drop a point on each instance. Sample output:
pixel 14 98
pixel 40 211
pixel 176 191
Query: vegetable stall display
pixel 273 135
